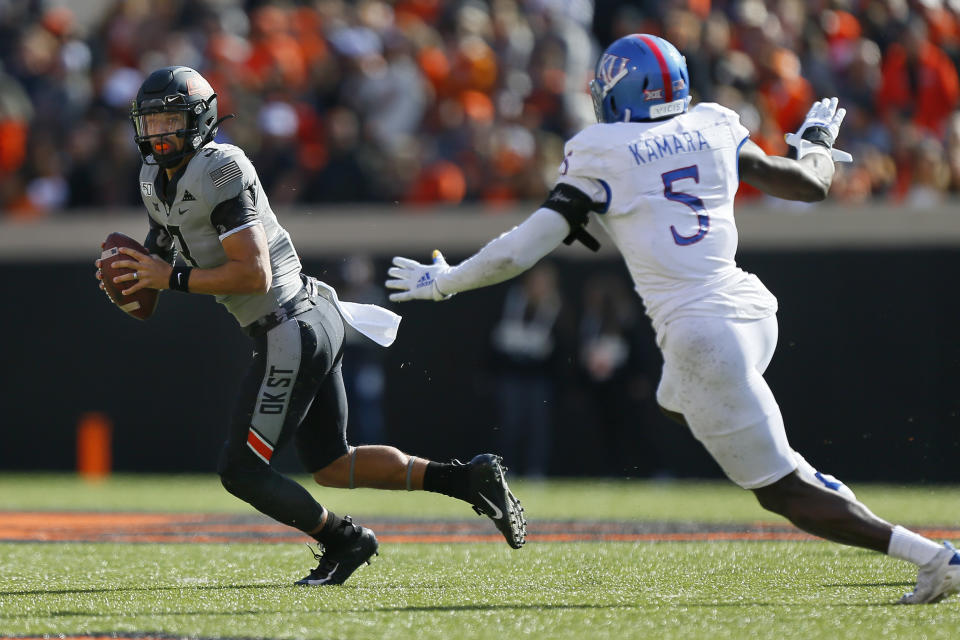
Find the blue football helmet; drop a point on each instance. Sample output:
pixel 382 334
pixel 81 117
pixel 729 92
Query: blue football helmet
pixel 640 77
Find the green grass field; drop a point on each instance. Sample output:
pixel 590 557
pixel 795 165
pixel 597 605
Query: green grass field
pixel 669 590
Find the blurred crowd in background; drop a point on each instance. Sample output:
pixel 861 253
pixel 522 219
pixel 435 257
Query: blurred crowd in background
pixel 421 102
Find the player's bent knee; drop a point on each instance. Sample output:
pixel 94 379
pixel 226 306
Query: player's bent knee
pixel 770 500
pixel 794 497
pixel 328 478
pixel 320 449
pixel 241 474
pixel 779 496
pixel 337 473
pixel 823 481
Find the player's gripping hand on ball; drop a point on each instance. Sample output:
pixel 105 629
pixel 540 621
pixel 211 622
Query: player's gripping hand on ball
pixel 417 281
pixel 148 271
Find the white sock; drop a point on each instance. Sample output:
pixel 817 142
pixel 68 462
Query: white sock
pixel 912 547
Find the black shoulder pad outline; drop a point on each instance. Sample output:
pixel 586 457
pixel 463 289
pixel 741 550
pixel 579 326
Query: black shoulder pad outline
pixel 574 205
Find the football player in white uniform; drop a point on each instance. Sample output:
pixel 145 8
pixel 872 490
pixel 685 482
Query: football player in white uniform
pixel 660 177
pixel 204 200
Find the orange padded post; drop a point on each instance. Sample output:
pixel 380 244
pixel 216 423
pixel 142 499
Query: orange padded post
pixel 94 456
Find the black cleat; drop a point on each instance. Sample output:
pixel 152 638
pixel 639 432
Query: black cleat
pixel 338 563
pixel 491 497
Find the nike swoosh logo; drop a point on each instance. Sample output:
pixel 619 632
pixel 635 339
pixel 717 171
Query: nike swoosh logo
pixel 179 277
pixel 182 211
pixel 497 514
pixel 333 569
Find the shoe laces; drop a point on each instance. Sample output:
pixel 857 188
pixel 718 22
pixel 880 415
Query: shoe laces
pixel 320 554
pixel 325 565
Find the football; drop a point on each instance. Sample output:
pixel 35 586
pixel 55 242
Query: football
pixel 140 304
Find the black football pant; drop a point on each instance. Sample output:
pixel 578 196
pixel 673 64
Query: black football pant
pixel 294 388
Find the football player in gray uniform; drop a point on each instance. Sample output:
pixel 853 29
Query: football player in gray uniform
pixel 205 202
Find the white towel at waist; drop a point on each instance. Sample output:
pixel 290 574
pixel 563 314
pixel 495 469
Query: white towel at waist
pixel 377 323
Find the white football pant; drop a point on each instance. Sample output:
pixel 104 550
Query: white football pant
pixel 713 375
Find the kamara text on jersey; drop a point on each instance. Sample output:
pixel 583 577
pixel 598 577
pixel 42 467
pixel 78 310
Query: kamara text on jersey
pixel 657 147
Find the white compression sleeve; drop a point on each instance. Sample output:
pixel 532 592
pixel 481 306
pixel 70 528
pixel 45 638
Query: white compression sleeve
pixel 509 254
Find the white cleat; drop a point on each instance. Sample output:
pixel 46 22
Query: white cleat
pixel 937 579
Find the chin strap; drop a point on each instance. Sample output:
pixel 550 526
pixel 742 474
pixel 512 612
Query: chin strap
pixel 213 130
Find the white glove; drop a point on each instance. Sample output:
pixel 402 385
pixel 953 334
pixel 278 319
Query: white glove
pixel 417 281
pixel 826 115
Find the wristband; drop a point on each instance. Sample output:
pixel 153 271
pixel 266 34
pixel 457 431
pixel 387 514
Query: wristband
pixel 443 296
pixel 180 279
pixel 818 135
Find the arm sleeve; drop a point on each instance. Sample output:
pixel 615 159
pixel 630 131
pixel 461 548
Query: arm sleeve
pixel 160 242
pixel 509 254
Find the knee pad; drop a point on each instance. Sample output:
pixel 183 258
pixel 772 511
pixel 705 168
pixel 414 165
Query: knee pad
pixel 827 481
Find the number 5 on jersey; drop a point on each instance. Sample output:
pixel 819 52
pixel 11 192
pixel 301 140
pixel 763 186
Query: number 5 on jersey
pixel 695 203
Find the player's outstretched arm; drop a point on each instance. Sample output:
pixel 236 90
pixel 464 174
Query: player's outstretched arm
pixel 807 178
pixel 501 259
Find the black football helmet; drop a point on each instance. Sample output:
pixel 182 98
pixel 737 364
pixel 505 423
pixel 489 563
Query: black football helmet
pixel 175 89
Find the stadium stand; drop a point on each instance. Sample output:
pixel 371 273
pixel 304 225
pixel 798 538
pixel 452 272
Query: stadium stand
pixel 439 102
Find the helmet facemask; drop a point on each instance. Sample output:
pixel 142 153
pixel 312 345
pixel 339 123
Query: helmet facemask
pixel 597 94
pixel 158 124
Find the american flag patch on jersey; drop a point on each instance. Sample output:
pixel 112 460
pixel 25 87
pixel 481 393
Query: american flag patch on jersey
pixel 225 174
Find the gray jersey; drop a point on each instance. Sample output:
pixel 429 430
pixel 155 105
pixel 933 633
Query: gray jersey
pixel 216 174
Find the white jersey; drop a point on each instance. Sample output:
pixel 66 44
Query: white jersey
pixel 667 191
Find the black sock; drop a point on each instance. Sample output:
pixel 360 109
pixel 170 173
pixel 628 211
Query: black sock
pixel 449 479
pixel 332 532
